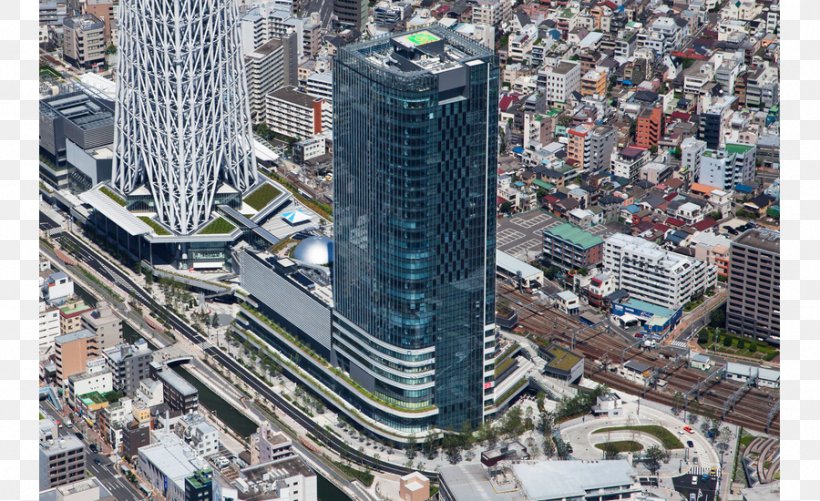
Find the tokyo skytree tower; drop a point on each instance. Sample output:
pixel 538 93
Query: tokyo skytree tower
pixel 182 117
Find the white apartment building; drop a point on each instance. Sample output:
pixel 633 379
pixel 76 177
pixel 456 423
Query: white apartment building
pixel 265 69
pixel 692 151
pixel 663 35
pixel 561 81
pixel 627 163
pixel 697 78
pixel 101 381
pixel 519 46
pixel 320 85
pixel 492 12
pixel 654 275
pixel 728 167
pixel 296 114
pixel 198 433
pixel 268 445
pixel 263 23
pixel 49 329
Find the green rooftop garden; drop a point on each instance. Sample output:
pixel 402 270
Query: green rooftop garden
pixel 515 389
pixel 503 366
pixel 158 228
pixel 564 360
pixel 262 196
pixel 218 226
pixel 247 309
pixel 113 196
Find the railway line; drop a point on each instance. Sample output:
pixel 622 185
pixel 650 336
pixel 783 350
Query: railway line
pixel 607 349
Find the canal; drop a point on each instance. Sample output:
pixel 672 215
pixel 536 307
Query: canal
pixel 214 403
pixel 244 427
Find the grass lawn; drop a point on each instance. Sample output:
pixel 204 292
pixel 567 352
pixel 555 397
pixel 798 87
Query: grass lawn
pixel 503 366
pixel 622 446
pixel 751 348
pixel 746 439
pixel 262 196
pixel 218 226
pixel 113 196
pixel 668 440
pixel 158 228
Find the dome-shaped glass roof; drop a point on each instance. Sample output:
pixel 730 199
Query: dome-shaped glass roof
pixel 315 251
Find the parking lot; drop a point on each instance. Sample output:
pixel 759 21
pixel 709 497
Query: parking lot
pixel 521 235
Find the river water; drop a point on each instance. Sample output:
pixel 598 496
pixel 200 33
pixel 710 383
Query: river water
pixel 223 410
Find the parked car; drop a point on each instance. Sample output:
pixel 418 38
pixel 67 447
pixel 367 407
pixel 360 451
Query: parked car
pixel 690 444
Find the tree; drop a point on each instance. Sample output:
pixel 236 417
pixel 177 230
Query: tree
pixel 753 347
pixel 741 344
pixel 430 446
pixel 610 450
pixel 539 400
pixel 215 320
pixel 453 445
pixel 506 207
pixel 727 341
pixel 561 448
pixel 548 422
pixel 693 419
pixel 513 424
pixel 717 317
pixel 653 457
pixel 410 450
pixel 549 447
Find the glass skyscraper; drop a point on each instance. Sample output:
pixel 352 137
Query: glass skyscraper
pixel 415 149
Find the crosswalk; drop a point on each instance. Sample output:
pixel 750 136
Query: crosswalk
pixel 678 344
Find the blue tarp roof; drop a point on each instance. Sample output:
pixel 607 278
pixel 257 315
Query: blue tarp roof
pixel 633 208
pixel 743 188
pixel 518 150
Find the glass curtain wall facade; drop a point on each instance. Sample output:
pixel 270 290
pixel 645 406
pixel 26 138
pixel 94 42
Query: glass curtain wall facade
pixel 415 148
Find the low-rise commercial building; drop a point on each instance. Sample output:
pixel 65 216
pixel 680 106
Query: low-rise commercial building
pixel 72 352
pixel 62 459
pixel 105 325
pixel 627 163
pixel 571 248
pixel 267 445
pixel 167 463
pixel 180 395
pixel 99 380
pixel 84 42
pixel 71 316
pixel 89 489
pixel 562 363
pixel 541 481
pixel 49 329
pixel 129 363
